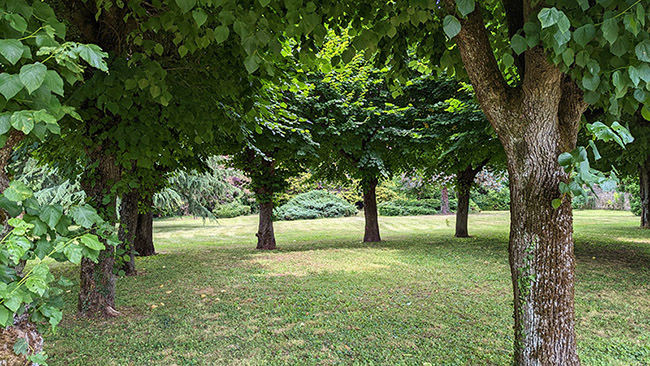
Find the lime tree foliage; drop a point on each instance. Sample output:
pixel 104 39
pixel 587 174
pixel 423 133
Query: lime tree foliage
pixel 361 133
pixel 632 162
pixel 462 141
pixel 315 204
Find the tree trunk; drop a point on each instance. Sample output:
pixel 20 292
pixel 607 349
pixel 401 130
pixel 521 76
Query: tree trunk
pixel 464 182
pixel 444 201
pixel 265 235
pixel 536 122
pixel 644 190
pixel 370 212
pixel 97 285
pixel 144 234
pixel 128 229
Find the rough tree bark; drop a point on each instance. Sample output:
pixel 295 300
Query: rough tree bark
pixel 128 229
pixel 464 181
pixel 535 121
pixel 370 211
pixel 97 285
pixel 444 201
pixel 644 190
pixel 144 234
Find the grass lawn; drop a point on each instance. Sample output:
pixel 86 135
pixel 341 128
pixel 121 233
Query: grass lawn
pixel 421 297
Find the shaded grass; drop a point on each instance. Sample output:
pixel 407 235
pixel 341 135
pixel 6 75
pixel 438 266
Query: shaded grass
pixel 325 298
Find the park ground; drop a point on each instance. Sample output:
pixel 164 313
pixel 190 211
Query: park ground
pixel 420 297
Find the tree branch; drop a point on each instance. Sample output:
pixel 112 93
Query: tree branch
pixel 481 66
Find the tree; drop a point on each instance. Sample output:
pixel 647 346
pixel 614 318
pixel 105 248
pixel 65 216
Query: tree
pixel 360 132
pixel 277 151
pixel 462 142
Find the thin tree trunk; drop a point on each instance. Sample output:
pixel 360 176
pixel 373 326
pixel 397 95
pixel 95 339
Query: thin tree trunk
pixel 97 285
pixel 444 201
pixel 370 211
pixel 265 235
pixel 644 185
pixel 144 246
pixel 128 229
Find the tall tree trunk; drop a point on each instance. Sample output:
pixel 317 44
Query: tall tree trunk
pixel 444 201
pixel 144 246
pixel 97 285
pixel 536 122
pixel 128 229
pixel 464 182
pixel 370 211
pixel 265 235
pixel 644 190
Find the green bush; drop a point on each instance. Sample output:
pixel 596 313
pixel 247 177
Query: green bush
pixel 409 207
pixel 232 209
pixel 313 205
pixel 492 199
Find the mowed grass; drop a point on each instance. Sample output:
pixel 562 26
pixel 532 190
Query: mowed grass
pixel 420 297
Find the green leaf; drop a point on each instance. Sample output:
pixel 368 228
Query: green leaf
pixel 12 302
pixel 21 346
pixel 508 60
pixel 549 17
pixel 5 123
pixel 92 241
pixel 51 215
pixel 451 26
pixel 518 44
pixel 17 22
pixel 610 30
pixel 5 315
pixel 645 112
pixel 32 76
pixel 186 5
pixel 17 192
pixel 221 33
pixel 465 6
pixel 158 48
pixel 182 51
pixel 565 159
pixel 85 215
pixel 584 34
pixel 556 203
pixel 54 82
pixel 594 149
pixel 199 16
pixel 10 85
pixel 590 82
pixel 252 63
pixel 567 56
pixel 642 51
pixel 265 2
pixel 23 121
pixel 93 55
pixel 73 253
pixel 11 49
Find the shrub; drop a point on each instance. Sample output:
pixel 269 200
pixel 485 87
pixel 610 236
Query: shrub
pixel 492 199
pixel 232 209
pixel 313 205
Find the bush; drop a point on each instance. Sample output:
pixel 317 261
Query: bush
pixel 409 207
pixel 232 209
pixel 313 205
pixel 492 199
